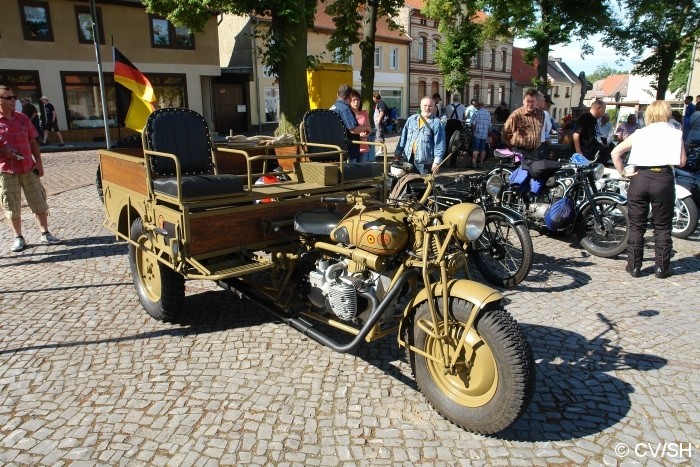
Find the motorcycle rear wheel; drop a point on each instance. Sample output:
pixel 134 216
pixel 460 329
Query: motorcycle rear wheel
pixel 503 253
pixel 685 218
pixel 608 240
pixel 493 380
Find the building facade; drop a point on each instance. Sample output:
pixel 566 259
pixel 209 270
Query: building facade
pixel 489 71
pixel 47 49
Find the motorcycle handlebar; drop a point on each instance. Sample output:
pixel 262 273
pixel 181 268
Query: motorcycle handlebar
pixel 334 199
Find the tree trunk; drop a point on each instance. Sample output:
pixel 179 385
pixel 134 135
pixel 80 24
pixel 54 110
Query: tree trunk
pixel 542 60
pixel 367 44
pixel 294 90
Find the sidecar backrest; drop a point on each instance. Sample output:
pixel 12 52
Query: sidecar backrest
pixel 184 134
pixel 323 126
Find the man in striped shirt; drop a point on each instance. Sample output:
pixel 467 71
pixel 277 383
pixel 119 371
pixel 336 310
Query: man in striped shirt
pixel 523 128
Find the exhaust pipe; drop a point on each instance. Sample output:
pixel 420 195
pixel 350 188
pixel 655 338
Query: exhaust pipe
pixel 240 288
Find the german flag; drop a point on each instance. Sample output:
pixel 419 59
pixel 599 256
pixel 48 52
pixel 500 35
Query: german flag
pixel 134 93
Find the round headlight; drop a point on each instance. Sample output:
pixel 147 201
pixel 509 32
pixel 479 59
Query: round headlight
pixel 494 185
pixel 469 220
pixel 598 171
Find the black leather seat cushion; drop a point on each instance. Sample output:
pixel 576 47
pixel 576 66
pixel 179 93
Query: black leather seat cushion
pixel 361 170
pixel 319 221
pixel 197 186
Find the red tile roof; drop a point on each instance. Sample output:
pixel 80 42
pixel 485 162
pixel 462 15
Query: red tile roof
pixel 522 72
pixel 324 23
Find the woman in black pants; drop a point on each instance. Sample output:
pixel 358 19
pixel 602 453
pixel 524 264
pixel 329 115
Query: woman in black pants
pixel 656 148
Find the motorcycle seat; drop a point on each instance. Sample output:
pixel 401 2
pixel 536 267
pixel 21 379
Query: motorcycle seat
pixel 320 221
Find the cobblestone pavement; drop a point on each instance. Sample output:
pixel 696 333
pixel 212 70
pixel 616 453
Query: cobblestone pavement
pixel 87 378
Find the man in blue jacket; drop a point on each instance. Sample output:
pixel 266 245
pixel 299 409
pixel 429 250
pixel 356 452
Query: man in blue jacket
pixel 422 140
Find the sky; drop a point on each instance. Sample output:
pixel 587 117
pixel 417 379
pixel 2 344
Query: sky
pixel 571 55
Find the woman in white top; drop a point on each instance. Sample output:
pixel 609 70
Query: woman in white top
pixel 655 149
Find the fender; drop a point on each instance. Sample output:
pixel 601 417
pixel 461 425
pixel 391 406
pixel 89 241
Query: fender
pixel 511 215
pixel 682 192
pixel 606 195
pixel 473 292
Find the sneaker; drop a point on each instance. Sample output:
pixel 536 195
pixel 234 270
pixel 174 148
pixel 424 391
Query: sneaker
pixel 49 239
pixel 19 244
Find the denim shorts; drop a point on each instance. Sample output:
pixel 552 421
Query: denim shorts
pixel 479 145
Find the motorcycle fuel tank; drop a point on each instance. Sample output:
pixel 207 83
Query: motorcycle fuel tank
pixel 381 232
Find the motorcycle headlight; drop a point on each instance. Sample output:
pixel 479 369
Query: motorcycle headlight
pixel 598 171
pixel 494 185
pixel 468 218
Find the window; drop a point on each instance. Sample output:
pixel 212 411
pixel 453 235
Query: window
pixel 164 34
pixel 555 91
pixel 338 54
pixel 493 59
pixel 422 89
pixel 84 105
pixel 501 94
pixel 23 83
pixel 394 58
pixel 421 48
pixel 504 59
pixel 433 47
pixel 377 57
pixel 489 95
pixel 272 104
pixel 435 88
pixel 476 95
pixel 476 61
pixel 568 94
pixel 170 89
pixel 83 102
pixel 392 97
pixel 83 20
pixel 36 20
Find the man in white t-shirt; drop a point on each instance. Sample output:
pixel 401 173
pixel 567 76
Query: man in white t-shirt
pixel 544 102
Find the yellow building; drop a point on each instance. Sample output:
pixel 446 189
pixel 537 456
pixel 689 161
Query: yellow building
pixel 46 49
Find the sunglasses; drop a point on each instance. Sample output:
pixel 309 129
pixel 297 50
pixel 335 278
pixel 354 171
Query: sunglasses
pixel 9 98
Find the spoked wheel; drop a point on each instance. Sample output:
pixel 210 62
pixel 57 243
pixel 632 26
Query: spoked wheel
pixel 685 218
pixel 493 378
pixel 160 289
pixel 610 238
pixel 503 253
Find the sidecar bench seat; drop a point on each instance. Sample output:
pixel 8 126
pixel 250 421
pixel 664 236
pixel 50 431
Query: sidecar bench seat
pixel 184 134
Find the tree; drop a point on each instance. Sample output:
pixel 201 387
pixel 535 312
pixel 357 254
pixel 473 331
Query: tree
pixel 664 28
pixel 678 79
pixel 462 37
pixel 284 52
pixel 602 72
pixel 349 17
pixel 546 23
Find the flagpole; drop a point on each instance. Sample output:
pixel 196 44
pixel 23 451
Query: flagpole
pixel 96 41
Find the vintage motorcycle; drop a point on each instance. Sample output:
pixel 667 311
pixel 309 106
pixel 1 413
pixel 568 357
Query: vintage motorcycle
pixel 685 213
pixel 503 252
pixel 384 267
pixel 562 197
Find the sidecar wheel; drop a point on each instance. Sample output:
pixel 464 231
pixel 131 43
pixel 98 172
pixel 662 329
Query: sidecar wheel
pixel 160 289
pixel 685 218
pixel 608 241
pixel 487 393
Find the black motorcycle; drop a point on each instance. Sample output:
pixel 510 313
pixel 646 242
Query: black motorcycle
pixel 503 253
pixel 562 198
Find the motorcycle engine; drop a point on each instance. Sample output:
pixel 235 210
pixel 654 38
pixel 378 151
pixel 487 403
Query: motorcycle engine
pixel 334 290
pixel 539 209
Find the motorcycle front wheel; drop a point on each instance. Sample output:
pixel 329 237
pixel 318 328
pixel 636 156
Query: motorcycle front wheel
pixel 685 218
pixel 493 379
pixel 610 238
pixel 503 252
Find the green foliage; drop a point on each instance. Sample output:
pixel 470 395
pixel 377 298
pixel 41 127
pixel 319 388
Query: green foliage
pixel 462 39
pixel 547 23
pixel 678 80
pixel 656 35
